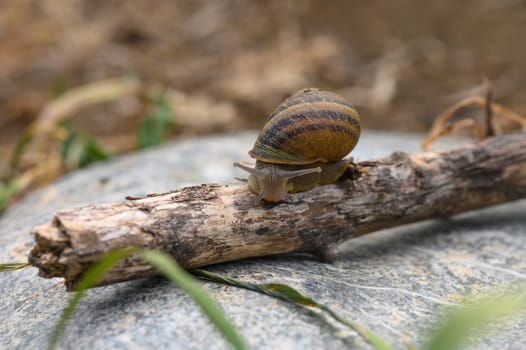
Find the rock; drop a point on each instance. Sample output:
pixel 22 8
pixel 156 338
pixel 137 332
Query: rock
pixel 395 282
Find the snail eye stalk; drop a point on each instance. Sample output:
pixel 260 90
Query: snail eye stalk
pixel 272 181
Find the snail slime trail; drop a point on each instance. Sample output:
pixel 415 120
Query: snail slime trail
pixel 302 145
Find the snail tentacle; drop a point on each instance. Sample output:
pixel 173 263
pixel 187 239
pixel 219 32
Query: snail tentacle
pixel 270 182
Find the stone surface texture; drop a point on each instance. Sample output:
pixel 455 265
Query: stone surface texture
pixel 395 282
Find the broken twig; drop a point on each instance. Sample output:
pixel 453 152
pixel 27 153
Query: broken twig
pixel 209 224
pixel 443 125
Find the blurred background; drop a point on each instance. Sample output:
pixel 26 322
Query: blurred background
pixel 82 80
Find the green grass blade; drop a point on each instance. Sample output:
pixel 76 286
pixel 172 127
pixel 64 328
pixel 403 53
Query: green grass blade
pixel 20 147
pixel 13 266
pixel 59 88
pixel 80 149
pixel 289 294
pixel 155 127
pixel 465 321
pixel 89 278
pixel 364 332
pixel 93 151
pixel 169 268
pixel 8 190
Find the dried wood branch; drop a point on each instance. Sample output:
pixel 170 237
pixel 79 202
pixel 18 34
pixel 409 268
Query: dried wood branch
pixel 209 224
pixel 441 127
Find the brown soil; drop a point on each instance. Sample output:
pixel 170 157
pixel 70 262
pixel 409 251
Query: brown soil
pixel 400 62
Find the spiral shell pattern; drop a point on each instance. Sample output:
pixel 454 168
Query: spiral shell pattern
pixel 311 126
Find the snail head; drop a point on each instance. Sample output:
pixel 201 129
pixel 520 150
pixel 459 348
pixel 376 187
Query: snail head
pixel 270 182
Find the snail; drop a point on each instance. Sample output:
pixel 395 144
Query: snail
pixel 302 145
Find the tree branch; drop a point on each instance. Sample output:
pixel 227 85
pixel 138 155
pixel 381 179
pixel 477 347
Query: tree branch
pixel 209 224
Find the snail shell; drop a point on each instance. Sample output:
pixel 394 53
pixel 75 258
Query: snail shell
pixel 302 144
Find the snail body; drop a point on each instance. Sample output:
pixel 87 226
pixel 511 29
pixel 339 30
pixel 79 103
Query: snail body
pixel 302 144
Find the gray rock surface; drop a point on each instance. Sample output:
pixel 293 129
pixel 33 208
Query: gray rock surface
pixel 395 282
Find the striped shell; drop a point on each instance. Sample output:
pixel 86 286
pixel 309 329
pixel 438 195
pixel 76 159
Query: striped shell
pixel 313 125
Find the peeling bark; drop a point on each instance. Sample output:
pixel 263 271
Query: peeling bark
pixel 212 223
